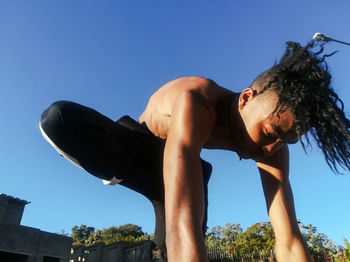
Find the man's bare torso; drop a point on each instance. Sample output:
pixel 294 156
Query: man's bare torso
pixel 158 112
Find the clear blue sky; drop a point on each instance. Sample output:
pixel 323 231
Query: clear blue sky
pixel 112 55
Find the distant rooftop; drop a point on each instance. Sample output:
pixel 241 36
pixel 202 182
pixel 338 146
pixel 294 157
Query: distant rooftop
pixel 22 243
pixel 14 198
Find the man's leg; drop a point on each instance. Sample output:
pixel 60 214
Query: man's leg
pixel 86 138
pixel 106 150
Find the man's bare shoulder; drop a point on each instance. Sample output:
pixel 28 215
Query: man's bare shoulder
pixel 158 112
pixel 188 83
pixel 197 81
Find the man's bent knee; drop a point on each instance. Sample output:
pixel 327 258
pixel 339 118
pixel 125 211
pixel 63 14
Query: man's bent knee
pixel 52 127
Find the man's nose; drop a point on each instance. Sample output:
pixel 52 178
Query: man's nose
pixel 273 147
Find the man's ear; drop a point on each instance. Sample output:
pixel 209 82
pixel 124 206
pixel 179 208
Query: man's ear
pixel 245 96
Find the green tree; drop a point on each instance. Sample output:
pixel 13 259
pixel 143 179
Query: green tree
pixel 259 239
pixel 213 238
pixel 128 233
pixel 81 234
pixel 130 230
pixel 223 238
pixel 256 239
pixel 346 250
pixel 319 244
pixel 95 238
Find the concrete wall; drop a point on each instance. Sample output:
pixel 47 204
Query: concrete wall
pixel 18 239
pixel 139 252
pixel 118 252
pixel 33 242
pixel 14 212
pixel 11 209
pixel 3 207
pixel 54 245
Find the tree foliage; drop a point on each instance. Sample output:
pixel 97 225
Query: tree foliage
pixel 320 246
pixel 259 239
pixel 346 250
pixel 81 234
pixel 256 240
pixel 87 236
pixel 223 238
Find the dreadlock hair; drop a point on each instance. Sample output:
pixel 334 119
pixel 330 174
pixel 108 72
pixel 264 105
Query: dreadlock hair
pixel 302 83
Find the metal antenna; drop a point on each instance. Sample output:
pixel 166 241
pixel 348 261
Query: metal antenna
pixel 321 37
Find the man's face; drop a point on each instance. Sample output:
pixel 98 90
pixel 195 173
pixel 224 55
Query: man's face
pixel 263 132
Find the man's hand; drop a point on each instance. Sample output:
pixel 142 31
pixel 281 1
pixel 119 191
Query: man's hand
pixel 192 120
pixel 290 245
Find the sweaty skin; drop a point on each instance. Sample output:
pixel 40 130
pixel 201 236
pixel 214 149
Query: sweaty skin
pixel 192 113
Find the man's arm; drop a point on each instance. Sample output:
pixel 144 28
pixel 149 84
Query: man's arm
pixel 290 245
pixel 192 120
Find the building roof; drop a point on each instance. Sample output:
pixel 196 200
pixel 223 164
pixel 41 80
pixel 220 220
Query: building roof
pixel 14 198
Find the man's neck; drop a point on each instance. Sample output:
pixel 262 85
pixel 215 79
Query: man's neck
pixel 224 135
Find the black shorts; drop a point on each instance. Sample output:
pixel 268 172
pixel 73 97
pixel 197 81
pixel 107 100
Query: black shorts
pixel 124 150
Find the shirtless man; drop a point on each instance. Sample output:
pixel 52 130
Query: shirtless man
pixel 159 156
